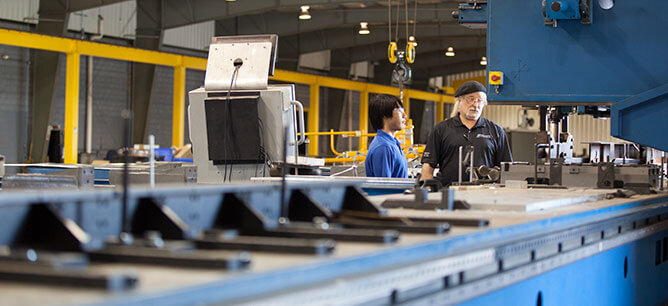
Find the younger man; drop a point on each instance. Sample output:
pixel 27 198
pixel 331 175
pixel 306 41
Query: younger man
pixel 385 157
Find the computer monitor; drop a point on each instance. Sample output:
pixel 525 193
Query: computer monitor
pixel 256 55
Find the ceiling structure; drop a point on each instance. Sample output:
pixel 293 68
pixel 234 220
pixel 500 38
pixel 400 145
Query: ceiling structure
pixel 334 26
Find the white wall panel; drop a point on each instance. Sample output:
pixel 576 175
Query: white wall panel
pixel 120 19
pixel 508 116
pixel 17 10
pixel 464 75
pixel 195 36
pixel 586 128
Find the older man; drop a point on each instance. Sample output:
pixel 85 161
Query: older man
pixel 465 128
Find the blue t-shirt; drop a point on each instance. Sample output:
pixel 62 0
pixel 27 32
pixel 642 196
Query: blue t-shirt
pixel 385 158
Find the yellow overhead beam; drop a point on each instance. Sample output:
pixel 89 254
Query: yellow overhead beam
pixel 75 48
pixel 36 41
pixel 69 45
pixel 296 77
pixel 383 89
pixel 428 96
pixel 195 63
pixel 341 83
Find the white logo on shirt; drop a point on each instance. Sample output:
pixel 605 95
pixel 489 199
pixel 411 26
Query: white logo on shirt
pixel 484 136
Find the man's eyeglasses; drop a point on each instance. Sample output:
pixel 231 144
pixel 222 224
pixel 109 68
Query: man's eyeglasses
pixel 471 100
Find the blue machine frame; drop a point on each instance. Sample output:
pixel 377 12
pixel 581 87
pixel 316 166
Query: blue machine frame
pixel 626 275
pixel 615 57
pixel 616 60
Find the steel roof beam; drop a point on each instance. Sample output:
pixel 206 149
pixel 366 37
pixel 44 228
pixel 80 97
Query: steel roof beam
pixel 287 23
pixel 180 13
pixel 79 5
pixel 347 38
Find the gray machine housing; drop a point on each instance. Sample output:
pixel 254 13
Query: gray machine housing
pixel 274 108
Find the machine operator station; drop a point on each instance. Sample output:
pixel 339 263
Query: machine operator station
pixel 217 152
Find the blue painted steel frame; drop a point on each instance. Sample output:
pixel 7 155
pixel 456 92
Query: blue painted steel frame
pixel 254 284
pixel 597 280
pixel 621 54
pixel 642 118
pixel 473 14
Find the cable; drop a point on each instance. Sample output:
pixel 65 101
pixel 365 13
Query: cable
pixel 389 21
pixel 396 29
pixel 406 16
pixel 228 108
pixel 415 17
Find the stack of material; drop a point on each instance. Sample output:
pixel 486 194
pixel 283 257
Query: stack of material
pixel 74 177
pixel 165 173
pixel 184 152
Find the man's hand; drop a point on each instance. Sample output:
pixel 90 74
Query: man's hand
pixel 427 172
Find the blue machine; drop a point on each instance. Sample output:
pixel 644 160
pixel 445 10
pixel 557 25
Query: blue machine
pixel 616 58
pixel 586 54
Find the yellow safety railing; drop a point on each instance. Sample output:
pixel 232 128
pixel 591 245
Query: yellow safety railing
pixel 74 48
pixel 359 156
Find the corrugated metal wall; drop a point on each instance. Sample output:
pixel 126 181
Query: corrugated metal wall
pixel 15 100
pixel 508 116
pixel 464 75
pixel 586 128
pixel 120 20
pixel 17 10
pixel 195 36
pixel 110 97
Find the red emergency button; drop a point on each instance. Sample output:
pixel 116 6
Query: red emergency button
pixel 495 78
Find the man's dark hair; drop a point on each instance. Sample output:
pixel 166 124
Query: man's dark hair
pixel 382 106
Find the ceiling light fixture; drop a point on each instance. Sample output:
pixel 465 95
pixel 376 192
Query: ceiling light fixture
pixel 364 28
pixel 450 52
pixel 412 40
pixel 304 14
pixel 230 0
pixel 483 61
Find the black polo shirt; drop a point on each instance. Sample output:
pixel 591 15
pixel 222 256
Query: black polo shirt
pixel 488 139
